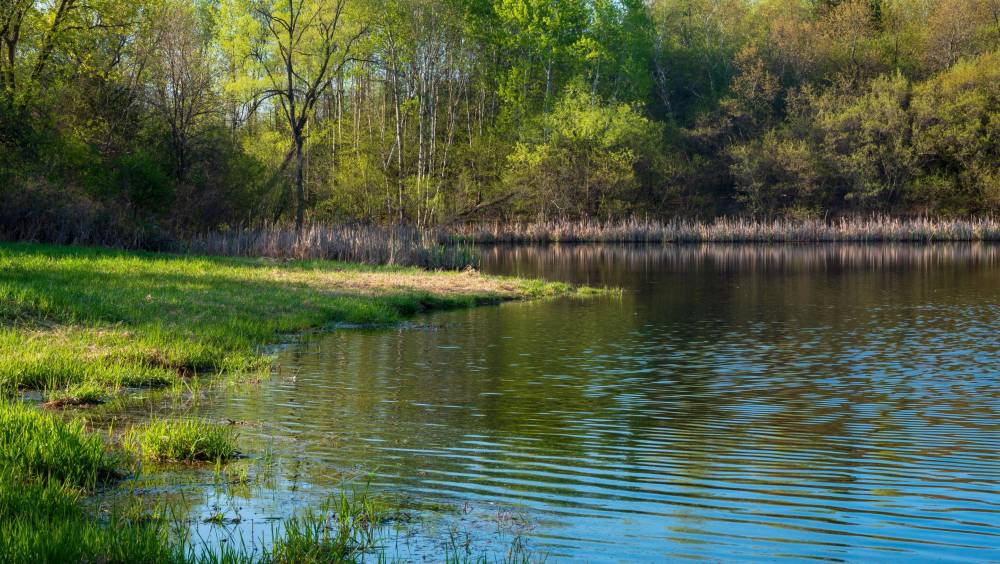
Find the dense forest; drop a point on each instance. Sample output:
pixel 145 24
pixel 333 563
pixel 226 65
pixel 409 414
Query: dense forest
pixel 178 116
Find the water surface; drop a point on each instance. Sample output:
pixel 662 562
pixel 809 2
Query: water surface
pixel 831 402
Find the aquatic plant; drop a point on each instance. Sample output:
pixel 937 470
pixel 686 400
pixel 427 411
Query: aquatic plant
pixel 346 529
pixel 86 393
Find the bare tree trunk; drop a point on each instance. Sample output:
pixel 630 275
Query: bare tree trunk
pixel 300 189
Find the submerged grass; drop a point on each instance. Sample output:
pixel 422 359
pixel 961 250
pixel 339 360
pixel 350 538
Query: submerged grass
pixel 49 464
pixel 182 440
pixel 341 532
pixel 82 316
pixel 85 393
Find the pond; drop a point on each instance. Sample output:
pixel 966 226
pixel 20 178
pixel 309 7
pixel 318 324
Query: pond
pixel 834 402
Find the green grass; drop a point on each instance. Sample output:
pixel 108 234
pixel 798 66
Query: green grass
pixel 86 393
pixel 182 440
pixel 341 532
pixel 46 464
pixel 72 316
pixel 43 521
pixel 83 324
pixel 40 445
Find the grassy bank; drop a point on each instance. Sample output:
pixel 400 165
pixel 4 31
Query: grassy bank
pixel 855 229
pixel 76 321
pixel 80 325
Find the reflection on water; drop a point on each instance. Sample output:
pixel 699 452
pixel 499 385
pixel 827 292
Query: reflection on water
pixel 735 403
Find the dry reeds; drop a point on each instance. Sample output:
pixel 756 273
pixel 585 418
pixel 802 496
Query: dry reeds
pixel 369 244
pixel 873 229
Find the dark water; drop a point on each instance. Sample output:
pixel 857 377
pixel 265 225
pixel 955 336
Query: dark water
pixel 734 403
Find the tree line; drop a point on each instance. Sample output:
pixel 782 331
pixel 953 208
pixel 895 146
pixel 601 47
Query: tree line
pixel 186 115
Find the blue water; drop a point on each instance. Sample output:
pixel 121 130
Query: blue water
pixel 734 403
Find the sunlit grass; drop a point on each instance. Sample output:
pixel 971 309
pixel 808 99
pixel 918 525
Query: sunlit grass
pixel 74 316
pixel 348 526
pixel 82 394
pixel 43 521
pixel 40 445
pixel 182 440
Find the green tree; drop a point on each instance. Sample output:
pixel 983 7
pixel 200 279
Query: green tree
pixel 587 159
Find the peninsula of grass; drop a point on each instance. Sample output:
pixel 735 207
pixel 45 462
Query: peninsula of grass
pixel 87 318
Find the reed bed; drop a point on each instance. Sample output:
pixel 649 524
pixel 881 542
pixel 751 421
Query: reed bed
pixel 874 229
pixel 368 244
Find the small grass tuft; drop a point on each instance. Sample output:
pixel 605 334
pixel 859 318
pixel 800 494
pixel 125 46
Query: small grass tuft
pixel 182 440
pixel 75 395
pixel 342 532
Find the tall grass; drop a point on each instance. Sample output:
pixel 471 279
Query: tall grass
pixel 731 230
pixel 43 521
pixel 342 531
pixel 46 464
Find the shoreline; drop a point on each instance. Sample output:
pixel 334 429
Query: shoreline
pixel 80 327
pixel 89 316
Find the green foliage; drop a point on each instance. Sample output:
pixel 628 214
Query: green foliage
pixel 956 133
pixel 145 181
pixel 889 146
pixel 773 174
pixel 138 123
pixel 586 158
